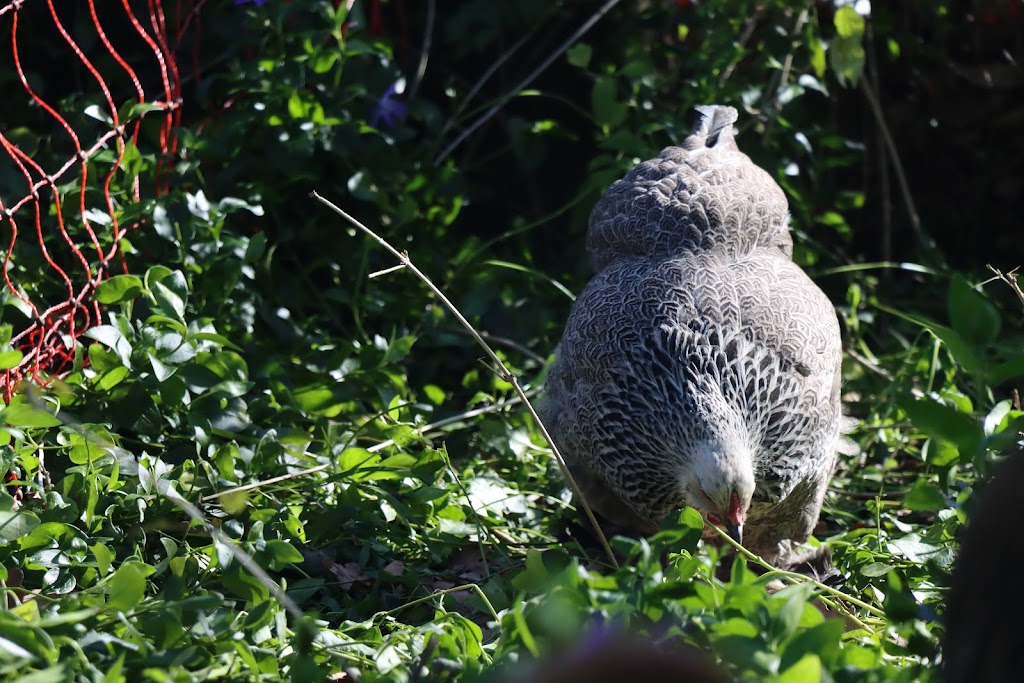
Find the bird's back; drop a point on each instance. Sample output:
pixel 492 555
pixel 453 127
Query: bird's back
pixel 703 196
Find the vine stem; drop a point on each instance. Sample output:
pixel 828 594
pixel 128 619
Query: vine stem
pixel 798 578
pixel 422 431
pixel 501 369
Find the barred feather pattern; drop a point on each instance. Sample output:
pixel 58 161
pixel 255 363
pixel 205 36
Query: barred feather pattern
pixel 698 334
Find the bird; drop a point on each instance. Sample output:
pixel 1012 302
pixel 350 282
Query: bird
pixel 700 366
pixel 982 618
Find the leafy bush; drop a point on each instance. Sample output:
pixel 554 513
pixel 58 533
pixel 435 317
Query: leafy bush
pixel 264 388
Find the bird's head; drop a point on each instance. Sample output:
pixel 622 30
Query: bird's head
pixel 720 486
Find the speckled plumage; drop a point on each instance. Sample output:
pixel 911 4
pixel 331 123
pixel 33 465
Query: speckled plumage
pixel 700 359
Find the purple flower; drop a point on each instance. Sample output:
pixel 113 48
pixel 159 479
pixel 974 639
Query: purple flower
pixel 389 109
pixel 258 3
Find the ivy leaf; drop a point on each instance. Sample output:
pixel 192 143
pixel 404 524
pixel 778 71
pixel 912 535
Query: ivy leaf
pixel 127 586
pixel 111 337
pixel 608 113
pixel 940 421
pixel 925 497
pixel 846 56
pixel 807 670
pixel 818 58
pixel 119 289
pixel 15 524
pixel 848 23
pixel 10 359
pixel 579 55
pixel 24 414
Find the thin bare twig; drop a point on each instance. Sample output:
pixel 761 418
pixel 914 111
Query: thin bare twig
pixel 557 52
pixel 881 159
pixel 511 344
pixel 1010 279
pixel 503 372
pixel 741 42
pixel 486 77
pixel 167 489
pixel 386 271
pixel 775 99
pixel 428 35
pixel 874 367
pixel 897 165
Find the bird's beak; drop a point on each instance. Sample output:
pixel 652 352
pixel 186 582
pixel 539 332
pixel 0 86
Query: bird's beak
pixel 735 532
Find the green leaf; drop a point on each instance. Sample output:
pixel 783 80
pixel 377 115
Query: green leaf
pixel 1011 369
pixel 875 569
pixel 821 640
pixel 579 55
pixel 435 394
pixel 138 109
pixel 16 524
pixel 168 301
pixel 127 586
pixel 111 378
pixel 940 453
pixel 296 107
pixel 846 55
pixel 255 248
pixel 848 23
pixel 111 337
pixel 352 459
pixel 169 289
pixel 807 670
pixel 24 414
pixel 104 557
pixel 282 554
pixel 973 316
pixel 10 359
pixel 320 400
pixel 608 113
pixel 11 650
pixel 914 550
pixel 899 604
pixel 245 585
pixel 925 497
pixel 942 422
pixel 818 57
pixel 118 289
pixel 160 370
pixel 794 600
pixel 397 350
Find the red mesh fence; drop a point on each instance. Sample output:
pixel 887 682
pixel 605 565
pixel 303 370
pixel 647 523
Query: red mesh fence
pixel 87 86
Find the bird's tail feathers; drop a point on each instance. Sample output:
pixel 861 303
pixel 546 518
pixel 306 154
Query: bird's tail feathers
pixel 714 126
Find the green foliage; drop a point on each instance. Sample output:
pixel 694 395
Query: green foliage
pixel 260 363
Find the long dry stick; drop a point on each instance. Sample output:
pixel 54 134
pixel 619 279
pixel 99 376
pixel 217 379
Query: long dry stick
pixel 1010 279
pixel 901 176
pixel 503 372
pixel 604 9
pixel 484 78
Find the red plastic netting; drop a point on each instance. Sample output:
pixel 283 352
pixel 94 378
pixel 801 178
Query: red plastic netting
pixel 87 87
